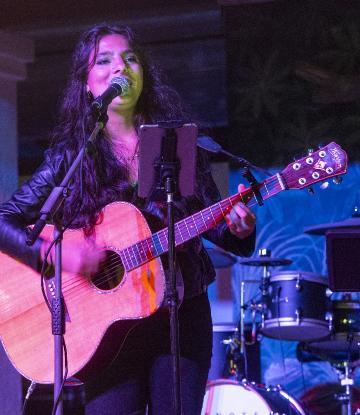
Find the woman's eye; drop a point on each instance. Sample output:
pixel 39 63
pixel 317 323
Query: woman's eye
pixel 131 59
pixel 102 61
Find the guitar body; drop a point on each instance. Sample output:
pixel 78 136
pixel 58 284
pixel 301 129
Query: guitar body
pixel 97 318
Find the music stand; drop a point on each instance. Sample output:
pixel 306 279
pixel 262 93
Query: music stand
pixel 150 148
pixel 167 160
pixel 343 259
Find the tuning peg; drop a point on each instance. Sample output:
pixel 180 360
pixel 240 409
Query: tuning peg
pixel 310 151
pixel 337 180
pixel 324 185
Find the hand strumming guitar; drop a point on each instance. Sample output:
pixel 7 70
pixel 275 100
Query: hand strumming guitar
pixel 77 258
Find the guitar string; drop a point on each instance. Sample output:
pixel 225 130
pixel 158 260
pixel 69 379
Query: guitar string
pixel 75 283
pixel 112 268
pixel 114 263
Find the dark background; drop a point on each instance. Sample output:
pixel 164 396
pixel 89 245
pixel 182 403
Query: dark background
pixel 269 78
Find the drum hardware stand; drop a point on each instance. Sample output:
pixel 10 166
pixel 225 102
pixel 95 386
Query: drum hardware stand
pixel 345 398
pixel 236 343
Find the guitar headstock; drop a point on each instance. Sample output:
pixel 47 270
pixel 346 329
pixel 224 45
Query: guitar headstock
pixel 328 161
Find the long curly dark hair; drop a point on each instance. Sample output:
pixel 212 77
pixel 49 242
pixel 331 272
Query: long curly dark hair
pixel 105 178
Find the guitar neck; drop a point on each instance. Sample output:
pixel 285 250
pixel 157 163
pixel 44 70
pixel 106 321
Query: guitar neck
pixel 196 224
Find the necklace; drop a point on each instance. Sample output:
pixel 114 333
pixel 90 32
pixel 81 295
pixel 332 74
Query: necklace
pixel 136 153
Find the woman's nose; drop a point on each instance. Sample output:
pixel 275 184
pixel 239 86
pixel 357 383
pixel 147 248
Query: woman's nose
pixel 119 65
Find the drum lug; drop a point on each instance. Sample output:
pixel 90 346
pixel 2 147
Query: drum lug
pixel 262 319
pixel 298 316
pixel 298 285
pixel 329 319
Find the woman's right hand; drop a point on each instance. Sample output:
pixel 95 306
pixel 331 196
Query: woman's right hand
pixel 84 258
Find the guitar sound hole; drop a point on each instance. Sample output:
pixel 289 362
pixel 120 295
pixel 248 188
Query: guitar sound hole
pixel 110 273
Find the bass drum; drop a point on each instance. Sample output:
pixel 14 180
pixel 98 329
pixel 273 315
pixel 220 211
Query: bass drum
pixel 228 397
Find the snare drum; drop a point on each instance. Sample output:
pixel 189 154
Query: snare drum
pixel 227 397
pixel 296 307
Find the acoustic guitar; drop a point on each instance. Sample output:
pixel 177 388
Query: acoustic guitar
pixel 130 285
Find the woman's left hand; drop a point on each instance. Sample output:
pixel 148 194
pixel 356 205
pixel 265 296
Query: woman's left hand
pixel 241 220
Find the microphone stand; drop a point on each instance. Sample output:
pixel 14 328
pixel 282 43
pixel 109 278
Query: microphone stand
pixel 169 172
pixel 48 210
pixel 166 172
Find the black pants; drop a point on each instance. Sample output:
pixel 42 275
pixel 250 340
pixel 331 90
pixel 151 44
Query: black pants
pixel 142 374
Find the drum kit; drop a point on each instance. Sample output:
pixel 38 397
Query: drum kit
pixel 294 306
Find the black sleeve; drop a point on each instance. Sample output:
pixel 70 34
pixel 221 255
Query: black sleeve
pixel 208 194
pixel 22 210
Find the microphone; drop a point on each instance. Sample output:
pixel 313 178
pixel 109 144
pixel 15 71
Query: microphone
pixel 207 143
pixel 118 87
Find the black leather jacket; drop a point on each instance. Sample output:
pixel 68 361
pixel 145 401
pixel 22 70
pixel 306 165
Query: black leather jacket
pixel 23 209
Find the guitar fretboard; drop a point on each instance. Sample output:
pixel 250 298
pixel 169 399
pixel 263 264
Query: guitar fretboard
pixel 196 224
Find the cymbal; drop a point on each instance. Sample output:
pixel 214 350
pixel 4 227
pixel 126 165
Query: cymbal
pixel 322 228
pixel 265 261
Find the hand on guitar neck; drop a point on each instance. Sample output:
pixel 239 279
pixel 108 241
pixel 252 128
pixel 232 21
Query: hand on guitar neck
pixel 77 258
pixel 241 220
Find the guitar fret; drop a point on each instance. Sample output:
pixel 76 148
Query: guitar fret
pixel 226 207
pixel 158 235
pixel 197 221
pixel 124 260
pixel 202 217
pixel 132 256
pixel 266 188
pixel 128 257
pixel 222 212
pixel 281 183
pixel 194 221
pixel 178 231
pixel 142 252
pixel 186 226
pixel 163 237
pixel 166 237
pixel 208 218
pixel 213 218
pixel 138 255
pixel 149 246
